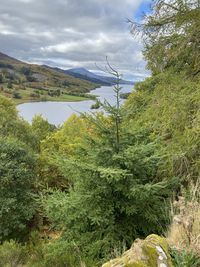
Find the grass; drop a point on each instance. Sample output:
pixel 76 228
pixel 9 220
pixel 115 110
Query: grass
pixel 184 232
pixel 43 96
pixel 64 98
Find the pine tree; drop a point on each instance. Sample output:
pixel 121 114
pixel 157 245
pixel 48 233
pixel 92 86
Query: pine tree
pixel 115 196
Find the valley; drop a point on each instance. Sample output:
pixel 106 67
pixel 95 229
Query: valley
pixel 23 82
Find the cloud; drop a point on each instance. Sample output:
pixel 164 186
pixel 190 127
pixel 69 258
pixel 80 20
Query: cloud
pixel 68 33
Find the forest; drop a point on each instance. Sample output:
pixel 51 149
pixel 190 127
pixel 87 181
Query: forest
pixel 80 194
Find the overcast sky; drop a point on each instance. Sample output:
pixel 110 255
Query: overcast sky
pixel 73 33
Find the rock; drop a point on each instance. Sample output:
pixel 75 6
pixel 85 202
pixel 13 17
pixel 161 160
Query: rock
pixel 151 252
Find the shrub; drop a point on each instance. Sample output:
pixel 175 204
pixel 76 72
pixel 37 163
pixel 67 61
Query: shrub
pixel 16 188
pixel 185 258
pixel 16 95
pixel 12 254
pixel 185 228
pixel 34 95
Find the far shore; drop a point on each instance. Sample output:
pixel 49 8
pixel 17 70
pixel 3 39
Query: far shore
pixel 67 98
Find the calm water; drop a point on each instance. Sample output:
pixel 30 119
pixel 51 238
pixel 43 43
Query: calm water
pixel 57 112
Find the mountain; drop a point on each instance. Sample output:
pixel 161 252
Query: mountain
pixel 87 75
pixel 83 74
pixel 34 82
pixel 9 60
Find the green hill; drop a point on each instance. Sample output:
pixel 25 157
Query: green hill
pixel 30 82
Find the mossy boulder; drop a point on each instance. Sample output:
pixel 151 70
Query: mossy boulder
pixel 151 252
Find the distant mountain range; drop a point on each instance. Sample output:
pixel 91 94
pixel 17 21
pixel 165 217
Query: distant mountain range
pixel 76 79
pixel 87 75
pixel 41 76
pixel 95 78
pixel 25 82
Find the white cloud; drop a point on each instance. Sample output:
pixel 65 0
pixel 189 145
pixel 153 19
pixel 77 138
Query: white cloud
pixel 71 33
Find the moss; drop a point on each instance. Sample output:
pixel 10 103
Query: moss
pixel 156 240
pixel 151 254
pixel 137 264
pixel 144 253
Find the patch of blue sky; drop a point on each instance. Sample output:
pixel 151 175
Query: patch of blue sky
pixel 144 8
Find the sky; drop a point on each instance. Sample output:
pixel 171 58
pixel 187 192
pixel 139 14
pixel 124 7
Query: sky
pixel 74 33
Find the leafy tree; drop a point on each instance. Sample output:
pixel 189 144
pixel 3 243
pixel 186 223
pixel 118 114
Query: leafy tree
pixel 9 85
pixel 26 71
pixel 167 106
pixel 65 142
pixel 41 128
pixel 16 188
pixel 31 78
pixel 1 78
pixel 12 254
pixel 12 125
pixel 16 95
pixel 171 36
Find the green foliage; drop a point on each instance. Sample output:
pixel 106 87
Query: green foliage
pixel 116 195
pixel 41 128
pixel 16 95
pixel 11 125
pixel 39 77
pixel 171 36
pixel 16 188
pixel 66 141
pixel 97 105
pixel 26 71
pixel 59 254
pixel 54 92
pixel 1 78
pixel 12 254
pixel 124 95
pixel 112 175
pixel 47 254
pixel 170 113
pixel 9 85
pixel 185 258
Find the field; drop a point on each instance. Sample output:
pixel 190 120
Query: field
pixel 29 95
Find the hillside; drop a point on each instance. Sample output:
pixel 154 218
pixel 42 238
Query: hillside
pixel 30 82
pixel 87 75
pixel 119 187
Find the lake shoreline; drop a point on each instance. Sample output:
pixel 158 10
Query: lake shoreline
pixel 57 111
pixel 75 99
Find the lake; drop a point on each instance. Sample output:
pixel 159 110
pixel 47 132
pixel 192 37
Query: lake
pixel 58 112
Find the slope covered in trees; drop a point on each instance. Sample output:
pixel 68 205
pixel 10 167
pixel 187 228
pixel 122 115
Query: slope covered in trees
pixel 25 82
pixel 99 182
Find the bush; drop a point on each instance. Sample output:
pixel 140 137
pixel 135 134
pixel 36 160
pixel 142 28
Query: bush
pixel 58 254
pixel 16 188
pixel 12 254
pixel 9 85
pixel 184 231
pixel 34 95
pixel 16 95
pixel 97 105
pixel 185 258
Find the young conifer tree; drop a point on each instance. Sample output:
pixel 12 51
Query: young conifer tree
pixel 116 195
